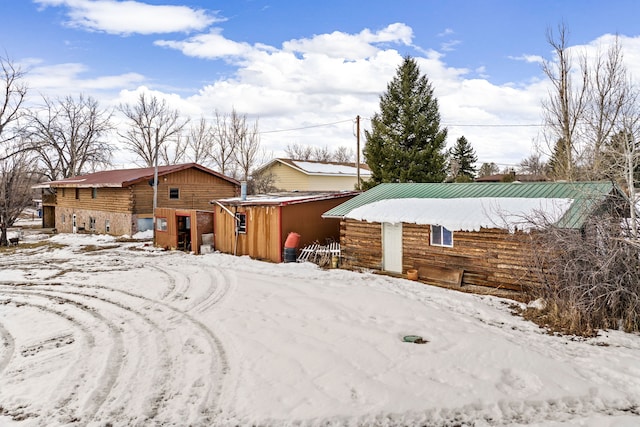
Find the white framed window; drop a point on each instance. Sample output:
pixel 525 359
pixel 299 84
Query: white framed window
pixel 241 222
pixel 92 223
pixel 107 225
pixel 440 236
pixel 161 224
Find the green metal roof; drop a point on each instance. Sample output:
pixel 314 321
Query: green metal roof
pixel 587 196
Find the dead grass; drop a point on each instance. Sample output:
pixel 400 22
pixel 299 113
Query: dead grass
pixel 558 320
pixel 33 245
pixel 96 248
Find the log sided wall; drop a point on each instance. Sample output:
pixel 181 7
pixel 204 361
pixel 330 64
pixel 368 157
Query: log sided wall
pixel 121 207
pixel 489 257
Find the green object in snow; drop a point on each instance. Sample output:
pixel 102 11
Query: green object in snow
pixel 414 339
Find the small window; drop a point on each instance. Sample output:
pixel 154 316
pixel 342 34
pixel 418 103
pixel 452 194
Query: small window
pixel 174 193
pixel 241 222
pixel 107 225
pixel 94 193
pixel 77 193
pixel 92 223
pixel 440 236
pixel 161 224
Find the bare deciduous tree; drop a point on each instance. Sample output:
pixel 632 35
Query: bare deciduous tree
pixel 298 151
pixel 565 108
pixel 343 154
pixel 247 152
pixel 12 98
pixel 200 138
pixel 16 178
pixel 607 97
pixel 15 170
pixel 153 124
pixel 488 169
pixel 322 154
pixel 69 136
pixel 533 165
pixel 171 154
pixel 590 279
pixel 224 143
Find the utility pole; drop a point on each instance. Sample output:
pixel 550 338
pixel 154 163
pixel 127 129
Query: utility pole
pixel 155 188
pixel 358 151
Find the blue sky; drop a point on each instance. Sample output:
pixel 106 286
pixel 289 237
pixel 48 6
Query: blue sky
pixel 302 64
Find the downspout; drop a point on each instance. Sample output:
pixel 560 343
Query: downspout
pixel 280 232
pixel 235 249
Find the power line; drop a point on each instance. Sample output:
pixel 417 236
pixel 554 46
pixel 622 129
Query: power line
pixel 493 126
pixel 367 118
pixel 306 127
pixel 484 124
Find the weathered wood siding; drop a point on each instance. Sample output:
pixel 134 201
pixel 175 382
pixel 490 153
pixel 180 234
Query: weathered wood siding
pixel 196 189
pixel 489 257
pixel 361 244
pixel 201 223
pixel 269 225
pixel 106 199
pixel 262 239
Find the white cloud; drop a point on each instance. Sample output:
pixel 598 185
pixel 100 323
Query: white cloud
pixel 528 58
pixel 128 17
pixel 328 78
pixel 450 45
pixel 210 46
pixel 67 79
pixel 351 46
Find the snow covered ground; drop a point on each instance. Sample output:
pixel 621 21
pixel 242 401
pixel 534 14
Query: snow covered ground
pixel 94 332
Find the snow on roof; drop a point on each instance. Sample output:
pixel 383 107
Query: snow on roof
pixel 465 214
pixel 286 198
pixel 330 168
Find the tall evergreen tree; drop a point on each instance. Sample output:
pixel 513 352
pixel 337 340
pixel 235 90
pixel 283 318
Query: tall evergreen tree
pixel 559 160
pixel 462 157
pixel 406 143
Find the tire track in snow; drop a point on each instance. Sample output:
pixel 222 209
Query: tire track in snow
pixel 8 344
pixel 207 394
pixel 80 371
pixel 136 366
pixel 219 365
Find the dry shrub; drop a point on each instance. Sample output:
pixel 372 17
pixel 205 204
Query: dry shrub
pixel 590 278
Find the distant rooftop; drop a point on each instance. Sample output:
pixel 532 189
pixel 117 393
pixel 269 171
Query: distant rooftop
pixel 312 167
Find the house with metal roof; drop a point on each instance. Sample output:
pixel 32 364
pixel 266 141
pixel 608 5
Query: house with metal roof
pixel 466 233
pixel 120 201
pixel 310 175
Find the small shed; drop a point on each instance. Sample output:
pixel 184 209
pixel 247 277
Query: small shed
pixel 184 229
pixel 258 225
pixel 461 233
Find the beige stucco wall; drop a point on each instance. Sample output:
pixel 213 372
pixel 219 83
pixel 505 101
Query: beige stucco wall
pixel 119 223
